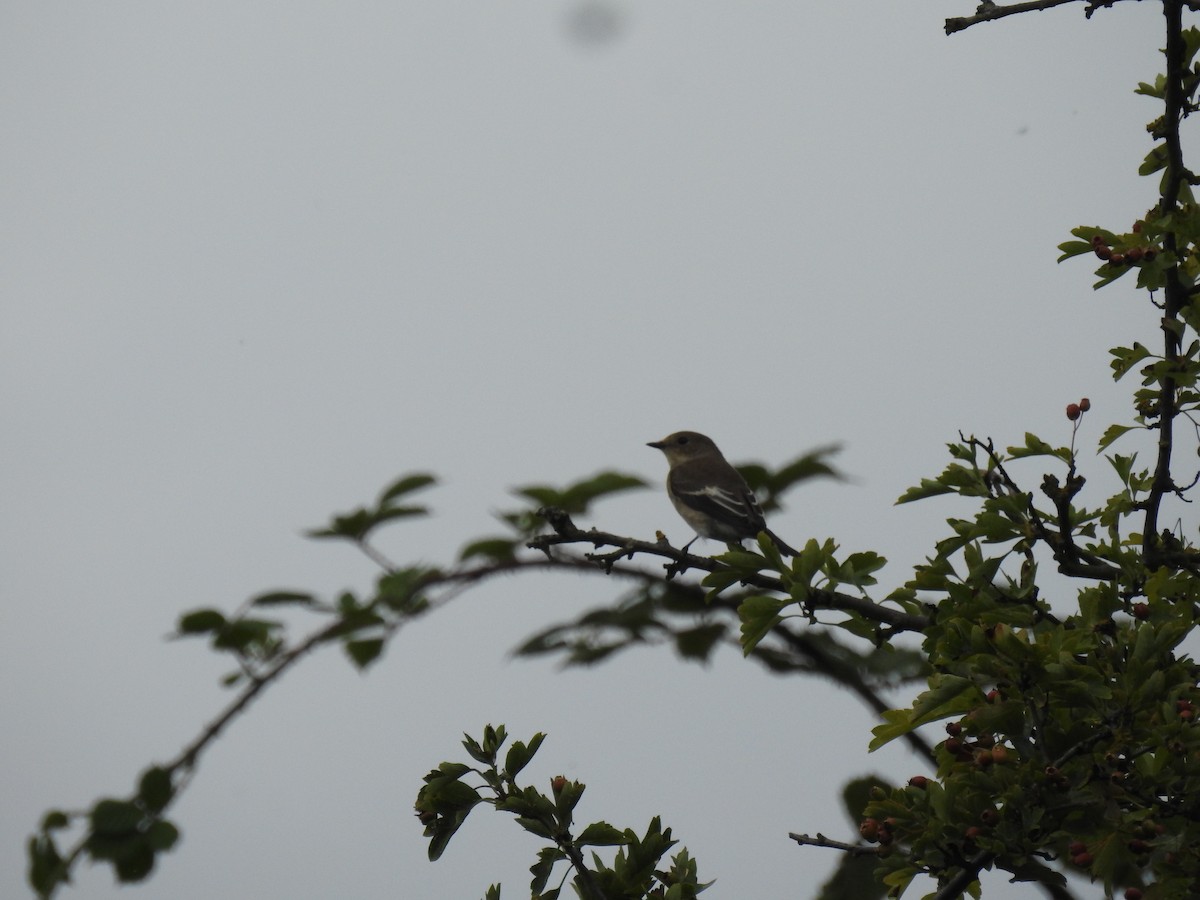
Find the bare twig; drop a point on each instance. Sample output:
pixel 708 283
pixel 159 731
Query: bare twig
pixel 989 11
pixel 819 840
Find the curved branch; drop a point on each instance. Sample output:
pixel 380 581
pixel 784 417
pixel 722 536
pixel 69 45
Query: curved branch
pixel 566 532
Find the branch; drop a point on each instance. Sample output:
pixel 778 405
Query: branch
pixel 1175 294
pixel 989 11
pixel 566 532
pixel 964 877
pixel 820 840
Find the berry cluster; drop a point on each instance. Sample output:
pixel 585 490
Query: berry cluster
pixel 1131 255
pixel 1075 410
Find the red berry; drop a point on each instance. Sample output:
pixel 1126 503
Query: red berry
pixel 1083 860
pixel 984 758
pixel 1000 755
pixel 1187 714
pixel 1076 847
pixel 869 829
pixel 1085 404
pixel 953 745
pixel 1072 411
pixel 1117 259
pixel 1098 240
pixel 989 817
pixel 918 781
pixel 1133 894
pixel 954 729
pixel 1141 610
pixel 1134 254
pixel 993 695
pixel 1149 253
pixel 973 832
pixel 1103 251
pixel 1137 845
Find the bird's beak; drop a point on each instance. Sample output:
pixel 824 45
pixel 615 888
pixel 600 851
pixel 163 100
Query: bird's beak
pixel 657 445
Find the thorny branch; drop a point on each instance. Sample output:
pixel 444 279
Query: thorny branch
pixel 988 11
pixel 566 532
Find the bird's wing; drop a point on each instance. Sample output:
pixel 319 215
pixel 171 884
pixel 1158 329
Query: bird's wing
pixel 737 508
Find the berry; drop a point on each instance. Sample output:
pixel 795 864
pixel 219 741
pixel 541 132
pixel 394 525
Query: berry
pixel 1076 847
pixel 557 783
pixel 973 832
pixel 1133 894
pixel 1073 411
pixel 918 781
pixel 954 729
pixel 869 829
pixel 1141 610
pixel 984 758
pixel 1083 860
pixel 989 817
pixel 1134 254
pixel 1149 253
pixel 1085 404
pixel 1137 845
pixel 1000 755
pixel 1103 251
pixel 1117 259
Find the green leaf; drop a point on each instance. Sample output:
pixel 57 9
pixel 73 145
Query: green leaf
pixel 284 598
pixel 1112 433
pixel 155 789
pixel 162 835
pixel 601 834
pixel 406 484
pixel 536 826
pixel 1155 160
pixel 201 621
pixel 759 615
pixel 364 651
pixel 55 819
pixel 927 488
pixel 947 695
pixel 495 549
pixel 519 754
pixel 115 818
pixel 698 642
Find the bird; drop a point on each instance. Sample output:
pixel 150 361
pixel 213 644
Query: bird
pixel 710 494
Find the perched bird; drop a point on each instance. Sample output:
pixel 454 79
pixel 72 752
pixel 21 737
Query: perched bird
pixel 709 493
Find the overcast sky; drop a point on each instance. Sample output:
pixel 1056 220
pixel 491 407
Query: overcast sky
pixel 260 258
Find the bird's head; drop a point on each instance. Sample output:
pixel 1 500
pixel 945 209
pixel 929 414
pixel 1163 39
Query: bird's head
pixel 684 445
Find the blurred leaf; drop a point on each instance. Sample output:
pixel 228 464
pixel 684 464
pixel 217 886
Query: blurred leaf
pixel 497 549
pixel 115 818
pixel 698 642
pixel 201 621
pixel 284 598
pixel 406 484
pixel 162 835
pixel 364 651
pixel 155 789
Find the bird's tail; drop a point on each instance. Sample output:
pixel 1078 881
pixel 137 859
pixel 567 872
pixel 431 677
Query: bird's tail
pixel 779 542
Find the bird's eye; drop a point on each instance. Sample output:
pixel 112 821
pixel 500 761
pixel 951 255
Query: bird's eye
pixel 682 440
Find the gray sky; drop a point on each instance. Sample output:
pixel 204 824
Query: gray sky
pixel 259 259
